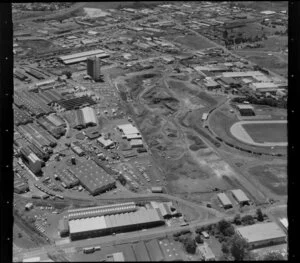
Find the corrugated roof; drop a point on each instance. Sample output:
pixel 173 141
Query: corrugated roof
pixel 261 232
pixel 87 224
pixel 240 195
pixel 128 129
pixel 154 250
pixel 81 54
pixel 141 252
pixel 224 199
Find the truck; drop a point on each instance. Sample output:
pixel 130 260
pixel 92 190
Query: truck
pixel 88 250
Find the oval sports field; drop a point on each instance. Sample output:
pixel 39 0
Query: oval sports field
pixel 261 133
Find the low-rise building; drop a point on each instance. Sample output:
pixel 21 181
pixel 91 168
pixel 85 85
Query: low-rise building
pixel 246 110
pixel 223 198
pixel 240 197
pixel 260 235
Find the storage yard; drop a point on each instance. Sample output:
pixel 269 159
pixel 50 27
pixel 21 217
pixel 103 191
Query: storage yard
pixel 135 123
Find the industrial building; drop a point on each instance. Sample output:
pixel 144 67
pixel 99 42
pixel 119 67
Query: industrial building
pixel 284 222
pixel 82 56
pixel 154 250
pixel 136 143
pixel 264 234
pixel 105 143
pixel 156 189
pixel 31 160
pixel 101 210
pixel 93 68
pixel 241 74
pixel 264 87
pixel 140 252
pixel 223 198
pixel 246 110
pixel 166 209
pixel 104 225
pixel 240 197
pixel 74 103
pixel 93 178
pixel 89 116
pixel 128 131
pixel 115 257
pixel 67 178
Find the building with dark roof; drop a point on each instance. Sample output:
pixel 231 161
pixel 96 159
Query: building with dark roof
pixel 154 250
pixel 140 251
pixel 93 178
pixel 74 103
pixel 246 110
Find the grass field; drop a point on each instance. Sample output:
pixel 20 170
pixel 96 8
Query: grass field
pixel 194 42
pixel 271 176
pixel 269 132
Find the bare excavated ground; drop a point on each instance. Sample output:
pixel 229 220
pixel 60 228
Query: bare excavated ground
pixel 192 169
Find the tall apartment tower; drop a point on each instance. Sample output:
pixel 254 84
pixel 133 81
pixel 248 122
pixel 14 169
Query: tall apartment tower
pixel 93 68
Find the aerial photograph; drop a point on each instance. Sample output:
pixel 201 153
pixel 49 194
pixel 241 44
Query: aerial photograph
pixel 150 131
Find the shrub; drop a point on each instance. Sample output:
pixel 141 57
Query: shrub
pixel 199 240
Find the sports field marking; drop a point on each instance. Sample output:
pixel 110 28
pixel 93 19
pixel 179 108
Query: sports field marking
pixel 239 132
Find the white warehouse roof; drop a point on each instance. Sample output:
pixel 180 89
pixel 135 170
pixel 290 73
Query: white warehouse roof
pixel 238 74
pixel 87 224
pixel 240 195
pixel 261 232
pixel 263 85
pixel 82 54
pixel 89 115
pixel 224 199
pixel 128 129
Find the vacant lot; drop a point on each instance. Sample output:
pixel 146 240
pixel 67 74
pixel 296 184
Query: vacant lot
pixel 194 42
pixel 269 132
pixel 274 177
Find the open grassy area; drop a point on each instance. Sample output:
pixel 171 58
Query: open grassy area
pixel 269 132
pixel 220 123
pixel 194 42
pixel 271 176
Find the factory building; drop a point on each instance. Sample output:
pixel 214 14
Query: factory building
pixel 128 131
pixel 242 74
pixel 74 103
pixel 105 225
pixel 93 178
pixel 264 87
pixel 31 160
pixel 136 143
pixel 240 197
pixel 245 110
pixel 93 68
pixel 82 56
pixel 223 198
pixel 261 235
pixel 105 143
pixel 101 210
pixel 89 116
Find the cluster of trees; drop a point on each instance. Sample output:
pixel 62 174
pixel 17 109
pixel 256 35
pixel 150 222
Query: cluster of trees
pixel 186 239
pixel 249 219
pixel 241 38
pixel 264 101
pixel 236 248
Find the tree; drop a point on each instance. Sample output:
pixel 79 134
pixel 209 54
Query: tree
pixel 260 215
pixel 190 245
pixel 237 220
pixel 248 220
pixel 222 225
pixel 239 248
pixel 273 256
pixel 225 248
pixel 68 73
pixel 198 239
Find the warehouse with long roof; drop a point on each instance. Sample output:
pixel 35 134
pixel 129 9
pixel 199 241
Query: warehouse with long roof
pixel 82 56
pixel 264 234
pixel 108 224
